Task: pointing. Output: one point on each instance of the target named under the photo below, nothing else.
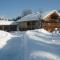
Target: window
(54, 17)
(33, 22)
(6, 28)
(13, 27)
(1, 27)
(28, 23)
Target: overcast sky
(14, 8)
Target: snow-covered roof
(48, 13)
(4, 22)
(36, 16)
(30, 17)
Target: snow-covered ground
(42, 45)
(4, 37)
(30, 45)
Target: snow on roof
(36, 16)
(30, 17)
(49, 13)
(4, 22)
(45, 13)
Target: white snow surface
(31, 45)
(44, 36)
(4, 37)
(4, 22)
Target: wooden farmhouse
(51, 21)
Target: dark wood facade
(8, 27)
(51, 22)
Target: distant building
(8, 25)
(29, 22)
(48, 20)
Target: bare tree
(40, 19)
(40, 15)
(19, 17)
(26, 12)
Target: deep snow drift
(43, 45)
(4, 37)
(30, 45)
(44, 36)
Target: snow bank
(42, 45)
(44, 55)
(4, 37)
(44, 36)
(43, 31)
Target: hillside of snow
(30, 45)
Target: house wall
(50, 26)
(8, 27)
(23, 25)
(29, 25)
(1, 27)
(13, 27)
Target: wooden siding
(50, 26)
(51, 22)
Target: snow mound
(44, 36)
(44, 31)
(4, 37)
(44, 55)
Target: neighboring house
(8, 25)
(29, 22)
(51, 21)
